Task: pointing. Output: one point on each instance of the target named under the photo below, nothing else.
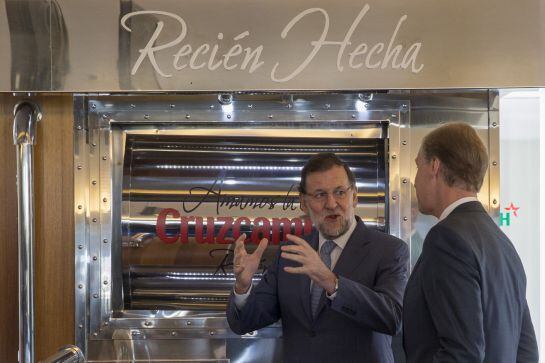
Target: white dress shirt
(340, 242)
(455, 204)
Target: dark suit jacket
(355, 326)
(466, 297)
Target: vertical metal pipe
(26, 115)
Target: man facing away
(338, 291)
(466, 297)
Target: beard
(333, 230)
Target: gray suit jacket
(356, 326)
(466, 297)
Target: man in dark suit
(466, 297)
(337, 291)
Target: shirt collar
(455, 204)
(342, 240)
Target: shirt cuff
(332, 296)
(240, 299)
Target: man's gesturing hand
(311, 263)
(245, 265)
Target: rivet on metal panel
(94, 220)
(172, 105)
(133, 105)
(211, 333)
(95, 296)
(105, 282)
(404, 142)
(394, 156)
(394, 197)
(494, 163)
(146, 116)
(105, 240)
(494, 201)
(104, 116)
(312, 115)
(79, 167)
(188, 322)
(105, 200)
(104, 157)
(173, 333)
(80, 206)
(212, 106)
(328, 106)
(229, 116)
(94, 182)
(405, 219)
(106, 323)
(95, 334)
(404, 180)
(353, 116)
(148, 323)
(95, 258)
(78, 127)
(80, 247)
(365, 96)
(271, 116)
(225, 98)
(94, 144)
(494, 124)
(250, 106)
(187, 116)
(80, 286)
(80, 326)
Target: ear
(435, 166)
(355, 197)
(302, 203)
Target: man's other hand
(245, 265)
(311, 263)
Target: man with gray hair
(466, 297)
(338, 290)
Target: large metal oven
(164, 183)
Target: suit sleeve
(527, 350)
(378, 307)
(261, 307)
(452, 292)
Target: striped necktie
(316, 291)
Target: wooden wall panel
(54, 192)
(54, 217)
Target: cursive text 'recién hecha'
(388, 54)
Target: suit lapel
(352, 255)
(354, 251)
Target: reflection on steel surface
(188, 197)
(165, 294)
(173, 288)
(39, 45)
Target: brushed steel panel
(142, 45)
(29, 23)
(149, 332)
